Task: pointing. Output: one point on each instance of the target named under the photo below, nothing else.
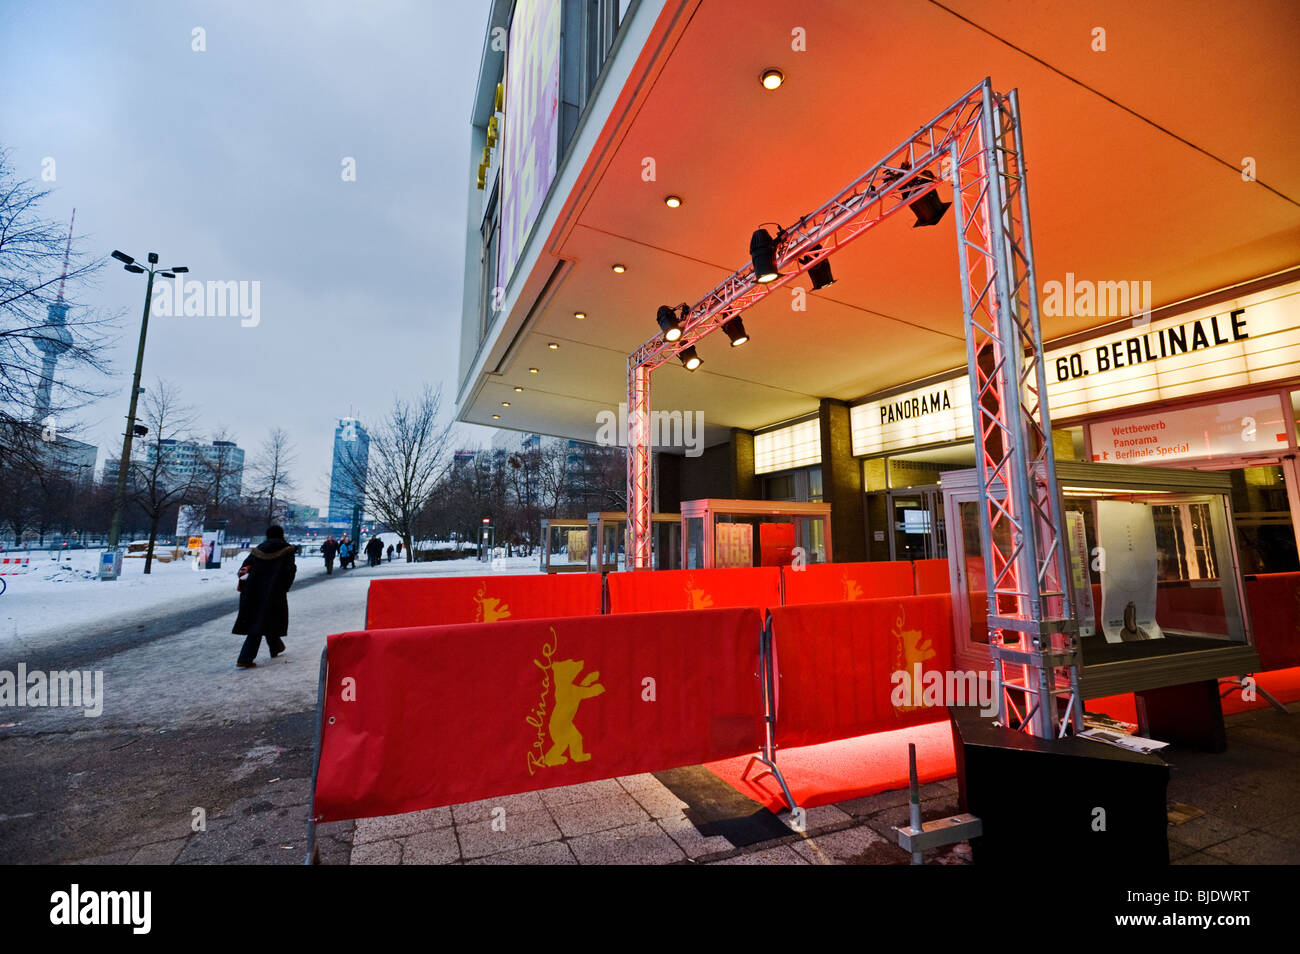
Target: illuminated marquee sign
(1250, 341)
(799, 445)
(1254, 425)
(937, 414)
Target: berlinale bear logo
(554, 713)
(489, 609)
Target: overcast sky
(230, 161)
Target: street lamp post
(119, 498)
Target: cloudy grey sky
(229, 161)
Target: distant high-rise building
(221, 462)
(351, 466)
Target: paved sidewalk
(1237, 807)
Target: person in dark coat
(329, 550)
(265, 578)
(390, 553)
(375, 550)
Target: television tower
(53, 337)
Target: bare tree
(157, 481)
(408, 456)
(40, 315)
(222, 469)
(271, 472)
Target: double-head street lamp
(133, 429)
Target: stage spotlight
(668, 323)
(690, 359)
(735, 329)
(820, 274)
(762, 251)
(928, 209)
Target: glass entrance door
(917, 521)
(1261, 512)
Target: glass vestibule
(1155, 580)
(728, 533)
(608, 543)
(564, 545)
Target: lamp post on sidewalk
(119, 498)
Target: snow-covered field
(53, 599)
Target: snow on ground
(190, 677)
(52, 599)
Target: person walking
(346, 553)
(329, 550)
(375, 550)
(264, 581)
(390, 553)
(399, 549)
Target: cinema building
(624, 154)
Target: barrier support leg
(1239, 682)
(767, 755)
(313, 850)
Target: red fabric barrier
(836, 582)
(642, 592)
(438, 717)
(1274, 602)
(836, 661)
(931, 577)
(442, 601)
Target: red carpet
(848, 768)
(1284, 684)
(851, 768)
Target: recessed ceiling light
(519, 390)
(673, 201)
(532, 370)
(553, 346)
(772, 79)
(580, 315)
(620, 269)
(505, 403)
(496, 417)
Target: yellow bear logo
(489, 609)
(696, 598)
(852, 591)
(569, 694)
(912, 649)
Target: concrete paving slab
(599, 814)
(643, 844)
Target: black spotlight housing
(820, 274)
(735, 329)
(668, 323)
(762, 252)
(690, 359)
(928, 209)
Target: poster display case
(1154, 577)
(607, 541)
(730, 533)
(564, 545)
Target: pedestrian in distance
(399, 549)
(329, 550)
(375, 550)
(346, 552)
(264, 581)
(390, 553)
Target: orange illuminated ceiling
(1134, 158)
